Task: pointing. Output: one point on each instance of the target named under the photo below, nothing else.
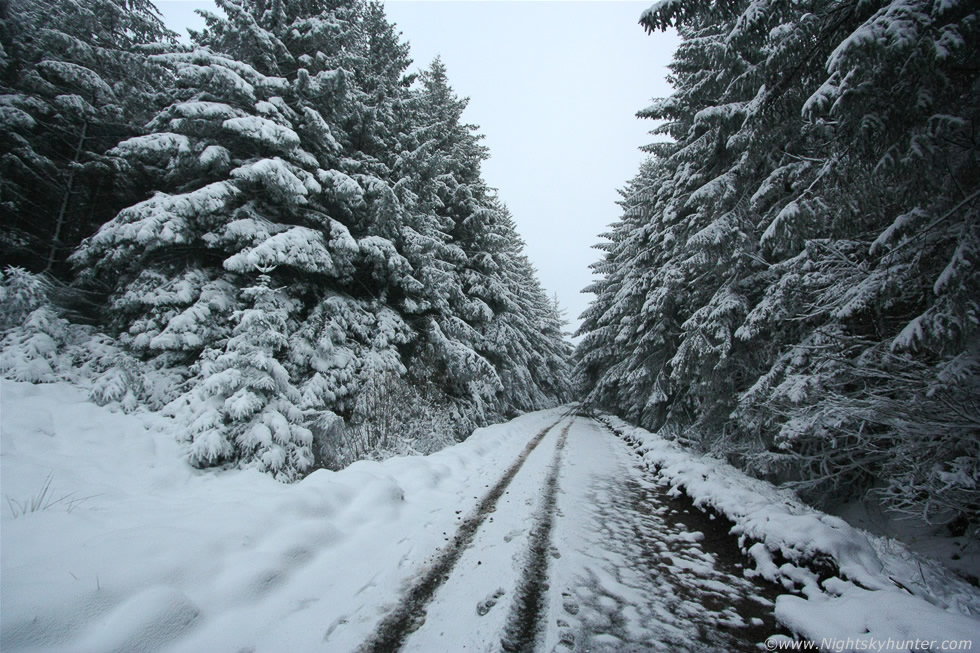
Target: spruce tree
(237, 191)
(245, 408)
(295, 146)
(74, 82)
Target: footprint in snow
(484, 606)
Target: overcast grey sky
(554, 87)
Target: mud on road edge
(729, 548)
(822, 565)
(390, 634)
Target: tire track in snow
(391, 633)
(524, 620)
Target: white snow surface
(131, 549)
(886, 590)
(135, 550)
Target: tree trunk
(63, 211)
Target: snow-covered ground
(884, 591)
(637, 571)
(137, 551)
(111, 542)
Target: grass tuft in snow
(44, 500)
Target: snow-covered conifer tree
(294, 143)
(74, 83)
(236, 190)
(245, 408)
(524, 338)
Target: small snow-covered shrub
(33, 347)
(121, 380)
(20, 293)
(393, 418)
(41, 346)
(242, 407)
(328, 431)
(121, 383)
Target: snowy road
(582, 552)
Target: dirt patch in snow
(757, 616)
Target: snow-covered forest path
(578, 549)
(546, 533)
(640, 569)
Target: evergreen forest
(792, 283)
(280, 237)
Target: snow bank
(883, 590)
(132, 549)
(866, 617)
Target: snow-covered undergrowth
(130, 548)
(876, 589)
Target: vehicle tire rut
(409, 615)
(524, 621)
